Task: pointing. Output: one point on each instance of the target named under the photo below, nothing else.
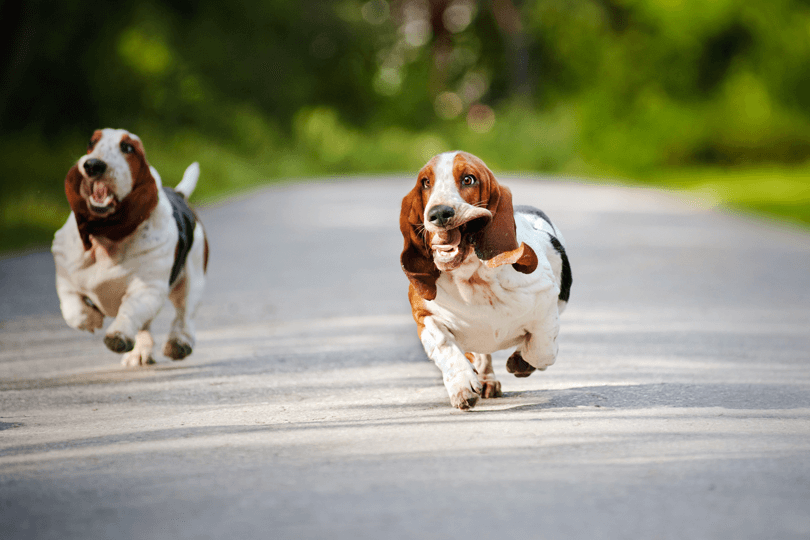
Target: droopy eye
(425, 183)
(127, 148)
(90, 144)
(468, 180)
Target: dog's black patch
(186, 221)
(566, 279)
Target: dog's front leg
(458, 373)
(140, 305)
(78, 312)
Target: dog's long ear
(78, 205)
(496, 243)
(416, 259)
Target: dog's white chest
(492, 309)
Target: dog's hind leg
(185, 297)
(539, 350)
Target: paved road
(679, 406)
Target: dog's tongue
(449, 238)
(100, 192)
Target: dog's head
(457, 208)
(111, 189)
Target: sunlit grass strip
(780, 192)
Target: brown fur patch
(518, 366)
(110, 296)
(416, 258)
(418, 309)
(94, 140)
(205, 253)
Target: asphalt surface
(679, 406)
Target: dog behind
(128, 245)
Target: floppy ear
(143, 198)
(496, 244)
(416, 260)
(78, 205)
(524, 259)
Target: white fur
(128, 279)
(444, 186)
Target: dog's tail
(189, 181)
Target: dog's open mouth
(102, 200)
(451, 246)
(446, 244)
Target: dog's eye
(468, 180)
(90, 144)
(127, 148)
(425, 183)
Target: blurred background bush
(709, 96)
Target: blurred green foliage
(684, 93)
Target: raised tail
(189, 181)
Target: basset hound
(128, 245)
(484, 276)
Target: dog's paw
(491, 389)
(176, 349)
(135, 358)
(464, 390)
(118, 342)
(465, 399)
(517, 366)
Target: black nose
(94, 167)
(441, 214)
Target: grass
(779, 192)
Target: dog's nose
(440, 214)
(94, 167)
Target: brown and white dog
(484, 276)
(128, 245)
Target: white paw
(137, 357)
(464, 389)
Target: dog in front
(484, 276)
(128, 245)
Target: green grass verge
(779, 192)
